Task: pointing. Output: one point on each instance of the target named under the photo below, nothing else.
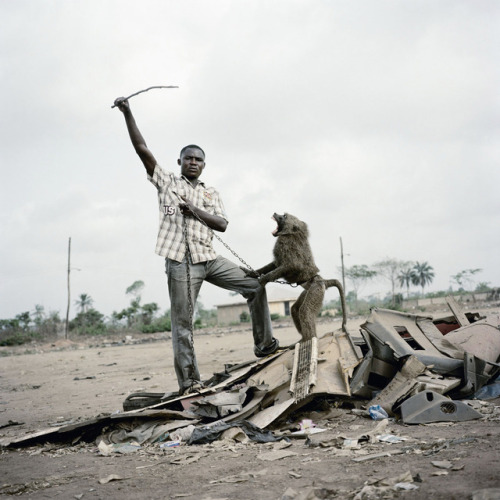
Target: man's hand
(187, 208)
(122, 104)
(214, 222)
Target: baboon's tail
(336, 283)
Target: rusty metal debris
(470, 352)
(305, 366)
(415, 367)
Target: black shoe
(267, 351)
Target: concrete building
(279, 303)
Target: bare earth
(49, 385)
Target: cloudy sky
(373, 121)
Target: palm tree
(422, 274)
(404, 279)
(84, 302)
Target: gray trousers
(225, 274)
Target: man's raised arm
(138, 141)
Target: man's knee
(255, 291)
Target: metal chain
(293, 285)
(280, 282)
(224, 243)
(188, 276)
(230, 249)
(190, 295)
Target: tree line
(404, 274)
(136, 317)
(146, 317)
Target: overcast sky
(373, 121)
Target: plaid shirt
(170, 242)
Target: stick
(149, 88)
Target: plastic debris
(442, 464)
(111, 477)
(428, 406)
(490, 391)
(170, 444)
(306, 424)
(405, 486)
(377, 412)
(207, 434)
(390, 438)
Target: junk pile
(410, 367)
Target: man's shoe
(267, 351)
(195, 388)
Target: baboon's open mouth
(279, 219)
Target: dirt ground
(43, 386)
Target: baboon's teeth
(275, 232)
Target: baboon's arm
(274, 274)
(258, 272)
(267, 268)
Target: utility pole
(66, 332)
(342, 262)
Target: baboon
(294, 262)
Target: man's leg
(226, 274)
(186, 367)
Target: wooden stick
(149, 88)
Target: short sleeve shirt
(170, 242)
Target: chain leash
(188, 275)
(190, 294)
(196, 216)
(293, 285)
(229, 248)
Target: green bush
(160, 325)
(14, 338)
(90, 322)
(244, 317)
(18, 338)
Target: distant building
(231, 313)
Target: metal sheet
(395, 335)
(337, 359)
(479, 339)
(457, 311)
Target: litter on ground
(406, 368)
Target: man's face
(192, 163)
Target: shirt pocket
(209, 206)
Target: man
(189, 212)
